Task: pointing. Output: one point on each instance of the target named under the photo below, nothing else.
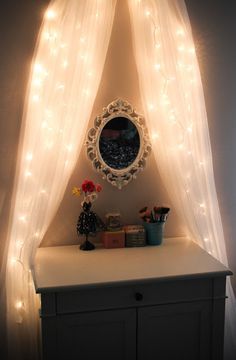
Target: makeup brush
(161, 213)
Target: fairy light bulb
(13, 261)
(37, 82)
(19, 243)
(69, 147)
(50, 14)
(22, 218)
(44, 125)
(29, 156)
(181, 48)
(172, 118)
(19, 304)
(28, 174)
(63, 45)
(86, 91)
(180, 32)
(47, 35)
(155, 136)
(35, 98)
(192, 50)
(60, 87)
(65, 64)
(38, 68)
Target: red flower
(88, 186)
(98, 188)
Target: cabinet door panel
(102, 335)
(177, 331)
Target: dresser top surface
(67, 267)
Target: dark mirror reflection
(119, 143)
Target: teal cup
(154, 233)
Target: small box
(113, 222)
(135, 236)
(113, 239)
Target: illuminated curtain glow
(65, 76)
(174, 106)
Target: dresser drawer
(133, 295)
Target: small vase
(154, 233)
(87, 245)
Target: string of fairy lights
(183, 125)
(66, 66)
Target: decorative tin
(113, 239)
(113, 221)
(134, 236)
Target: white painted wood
(143, 303)
(67, 266)
(178, 331)
(101, 335)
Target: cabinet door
(102, 335)
(176, 331)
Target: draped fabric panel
(174, 106)
(66, 72)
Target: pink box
(113, 239)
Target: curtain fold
(174, 107)
(66, 72)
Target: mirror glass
(119, 143)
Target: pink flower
(148, 213)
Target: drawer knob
(139, 296)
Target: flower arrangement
(88, 221)
(88, 189)
(158, 214)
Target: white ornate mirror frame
(118, 177)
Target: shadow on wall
(214, 31)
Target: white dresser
(153, 303)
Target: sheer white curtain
(65, 76)
(173, 101)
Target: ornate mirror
(118, 144)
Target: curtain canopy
(66, 73)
